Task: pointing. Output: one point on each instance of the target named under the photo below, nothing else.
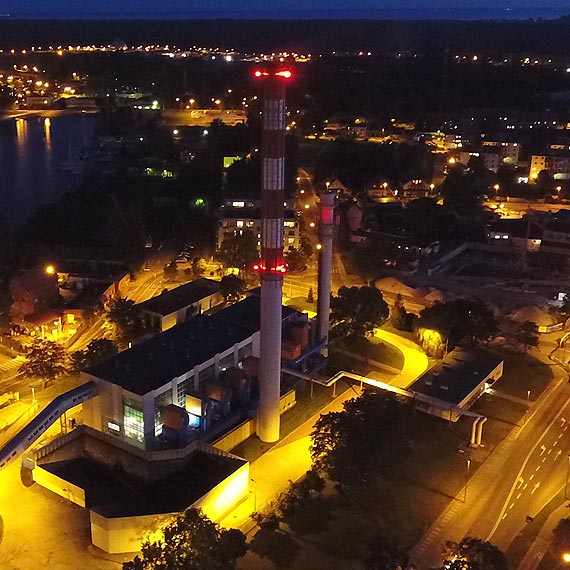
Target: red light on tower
(260, 73)
(284, 73)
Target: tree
(191, 542)
(384, 555)
(239, 250)
(171, 270)
(295, 259)
(357, 311)
(350, 445)
(463, 322)
(367, 259)
(47, 360)
(400, 318)
(97, 350)
(311, 296)
(197, 267)
(525, 334)
(125, 315)
(232, 288)
(306, 247)
(561, 537)
(473, 554)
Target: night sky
(465, 9)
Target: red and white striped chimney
(272, 267)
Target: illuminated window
(290, 240)
(288, 224)
(133, 422)
(238, 204)
(239, 223)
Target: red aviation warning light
(280, 73)
(260, 268)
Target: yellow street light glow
(496, 187)
(307, 206)
(312, 225)
(319, 246)
(452, 160)
(175, 132)
(50, 269)
(566, 557)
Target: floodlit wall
(126, 534)
(59, 486)
(226, 495)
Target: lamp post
(466, 481)
(254, 495)
(567, 473)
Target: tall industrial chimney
(326, 228)
(272, 266)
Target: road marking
(538, 468)
(531, 477)
(520, 482)
(563, 420)
(543, 459)
(504, 517)
(525, 486)
(535, 488)
(523, 466)
(555, 443)
(511, 506)
(565, 428)
(558, 454)
(542, 449)
(519, 495)
(560, 435)
(549, 451)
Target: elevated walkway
(28, 435)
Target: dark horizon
(495, 13)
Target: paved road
(519, 478)
(415, 360)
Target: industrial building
(180, 304)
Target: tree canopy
(350, 445)
(357, 311)
(191, 542)
(473, 554)
(126, 317)
(97, 350)
(239, 250)
(561, 537)
(232, 288)
(463, 322)
(47, 360)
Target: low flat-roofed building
(180, 304)
(458, 380)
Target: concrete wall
(126, 534)
(59, 486)
(233, 438)
(226, 495)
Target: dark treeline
(537, 36)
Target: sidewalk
(272, 473)
(541, 543)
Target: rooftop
(250, 213)
(247, 313)
(180, 297)
(153, 363)
(457, 375)
(156, 361)
(116, 496)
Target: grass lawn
(380, 352)
(301, 304)
(502, 416)
(523, 372)
(518, 548)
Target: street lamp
(466, 481)
(254, 494)
(567, 473)
(50, 269)
(566, 558)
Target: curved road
(415, 360)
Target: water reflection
(33, 151)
